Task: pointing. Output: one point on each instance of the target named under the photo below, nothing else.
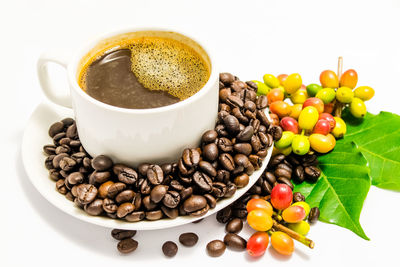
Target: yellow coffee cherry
(327, 95)
(295, 111)
(292, 83)
(322, 143)
(358, 108)
(299, 97)
(344, 95)
(262, 88)
(364, 93)
(340, 128)
(271, 81)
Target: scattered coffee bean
(188, 239)
(216, 248)
(169, 249)
(127, 245)
(314, 215)
(120, 234)
(234, 226)
(235, 241)
(297, 197)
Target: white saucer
(36, 136)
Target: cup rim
(73, 65)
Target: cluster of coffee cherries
(312, 122)
(279, 220)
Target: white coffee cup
(133, 136)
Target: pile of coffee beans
(227, 156)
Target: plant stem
(339, 106)
(302, 239)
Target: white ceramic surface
(132, 136)
(36, 136)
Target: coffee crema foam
(162, 63)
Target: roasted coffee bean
(256, 125)
(275, 160)
(185, 193)
(246, 134)
(124, 209)
(262, 102)
(241, 160)
(283, 173)
(154, 215)
(225, 145)
(255, 190)
(175, 185)
(102, 163)
(135, 216)
(57, 159)
(188, 239)
(87, 163)
(266, 187)
(207, 168)
(194, 203)
(49, 149)
(230, 189)
(243, 148)
(211, 201)
(103, 189)
(78, 204)
(299, 174)
(240, 213)
(99, 177)
(224, 94)
(127, 245)
(191, 157)
(216, 248)
(72, 131)
(218, 189)
(276, 132)
(262, 129)
(75, 144)
(312, 173)
(284, 180)
(158, 193)
(285, 165)
(127, 175)
(67, 163)
(209, 136)
(56, 128)
(109, 206)
(221, 130)
(125, 196)
(120, 234)
(210, 152)
(148, 203)
(60, 186)
(74, 191)
(231, 124)
(115, 189)
(49, 162)
(170, 213)
(69, 196)
(64, 174)
(226, 78)
(223, 176)
(227, 161)
(252, 85)
(202, 181)
(297, 197)
(172, 199)
(250, 105)
(184, 170)
(235, 242)
(221, 85)
(249, 95)
(240, 116)
(256, 161)
(256, 143)
(137, 201)
(238, 86)
(75, 178)
(86, 193)
(64, 142)
(200, 212)
(224, 215)
(58, 137)
(260, 115)
(224, 107)
(95, 207)
(241, 180)
(67, 121)
(169, 249)
(142, 168)
(234, 101)
(234, 226)
(155, 174)
(314, 215)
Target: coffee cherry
(292, 83)
(257, 244)
(329, 118)
(322, 127)
(285, 151)
(365, 93)
(301, 228)
(293, 214)
(282, 243)
(349, 79)
(300, 144)
(305, 206)
(327, 95)
(295, 111)
(358, 108)
(282, 78)
(315, 102)
(313, 89)
(271, 81)
(289, 124)
(328, 108)
(258, 203)
(280, 108)
(299, 97)
(286, 140)
(322, 143)
(329, 79)
(344, 94)
(259, 220)
(340, 127)
(308, 118)
(281, 196)
(275, 95)
(262, 88)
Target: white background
(249, 38)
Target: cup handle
(45, 80)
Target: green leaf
(341, 190)
(378, 138)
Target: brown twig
(339, 106)
(302, 239)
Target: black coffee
(146, 72)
